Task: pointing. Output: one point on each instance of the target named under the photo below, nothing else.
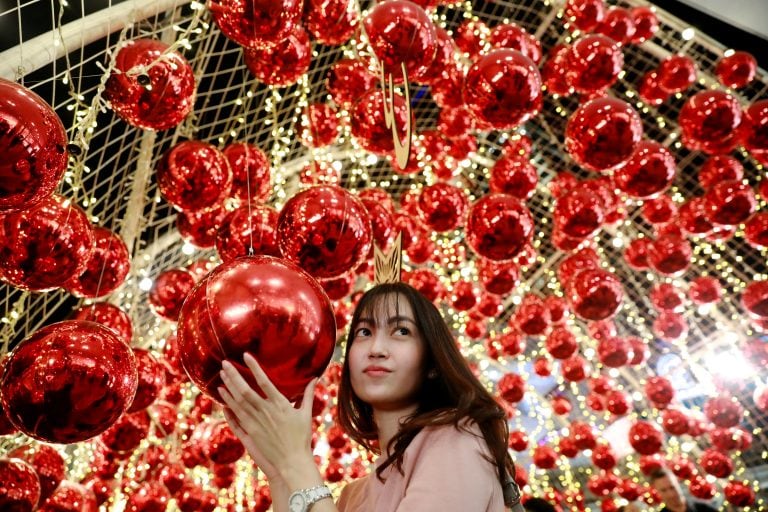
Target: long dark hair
(453, 395)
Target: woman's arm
(276, 434)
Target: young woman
(407, 394)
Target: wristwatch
(301, 500)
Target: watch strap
(314, 494)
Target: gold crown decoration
(387, 265)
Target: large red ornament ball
(736, 69)
(739, 494)
(256, 24)
(499, 226)
(498, 277)
(368, 125)
(348, 80)
(582, 435)
(667, 297)
(400, 32)
(199, 227)
(700, 488)
(250, 172)
(720, 168)
(168, 292)
(754, 298)
(90, 379)
(579, 213)
(544, 457)
(561, 343)
(709, 121)
(518, 440)
(531, 316)
(646, 23)
(515, 175)
(716, 463)
(502, 89)
(603, 133)
(221, 445)
(326, 230)
(614, 352)
(645, 437)
(574, 369)
(585, 15)
(511, 387)
(443, 206)
(676, 73)
(108, 315)
(670, 255)
(616, 402)
(44, 246)
(756, 231)
(319, 125)
(250, 230)
(649, 171)
(151, 380)
(595, 294)
(754, 130)
(165, 100)
(659, 391)
(659, 210)
(126, 434)
(149, 496)
(723, 411)
(603, 456)
(33, 147)
(674, 422)
(105, 270)
(331, 22)
(594, 63)
(279, 314)
(194, 175)
(618, 24)
(19, 486)
(729, 203)
(555, 69)
(70, 497)
(283, 63)
(47, 463)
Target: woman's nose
(378, 346)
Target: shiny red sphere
(43, 247)
(754, 130)
(603, 133)
(250, 172)
(348, 80)
(256, 24)
(105, 270)
(194, 175)
(648, 172)
(676, 73)
(326, 230)
(168, 292)
(736, 70)
(594, 63)
(368, 125)
(595, 294)
(331, 22)
(19, 485)
(280, 315)
(168, 97)
(283, 63)
(498, 226)
(645, 437)
(709, 121)
(33, 147)
(108, 315)
(502, 89)
(248, 231)
(90, 380)
(443, 207)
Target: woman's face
(387, 356)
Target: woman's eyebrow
(399, 318)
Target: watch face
(297, 503)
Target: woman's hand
(275, 433)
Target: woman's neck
(388, 424)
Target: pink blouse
(444, 470)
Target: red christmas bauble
(739, 494)
(348, 80)
(709, 121)
(515, 175)
(256, 24)
(149, 496)
(498, 226)
(401, 33)
(648, 172)
(659, 391)
(579, 213)
(676, 73)
(700, 488)
(280, 315)
(19, 485)
(221, 445)
(603, 133)
(614, 352)
(756, 230)
(165, 100)
(194, 175)
(729, 203)
(325, 230)
(283, 63)
(561, 343)
(616, 402)
(498, 277)
(603, 456)
(108, 315)
(126, 434)
(645, 437)
(502, 89)
(199, 227)
(511, 387)
(319, 125)
(105, 270)
(531, 316)
(544, 457)
(723, 411)
(573, 369)
(636, 253)
(582, 435)
(250, 172)
(33, 147)
(754, 298)
(331, 22)
(646, 24)
(151, 380)
(585, 15)
(674, 422)
(754, 131)
(368, 125)
(168, 292)
(594, 63)
(720, 168)
(248, 231)
(442, 206)
(595, 294)
(47, 463)
(618, 24)
(43, 247)
(670, 255)
(90, 380)
(518, 440)
(716, 463)
(736, 70)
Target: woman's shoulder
(352, 494)
(463, 437)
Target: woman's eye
(403, 331)
(362, 331)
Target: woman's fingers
(262, 380)
(309, 397)
(237, 386)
